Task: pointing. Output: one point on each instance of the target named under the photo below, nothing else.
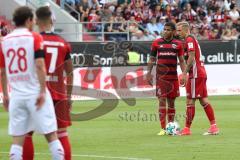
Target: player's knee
(190, 102)
(203, 101)
(62, 133)
(162, 101)
(171, 103)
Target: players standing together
(27, 59)
(166, 50)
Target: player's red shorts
(62, 110)
(168, 89)
(196, 88)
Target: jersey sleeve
(2, 61)
(154, 49)
(38, 46)
(190, 44)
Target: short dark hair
(171, 24)
(21, 15)
(43, 13)
(232, 6)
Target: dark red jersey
(57, 52)
(198, 69)
(167, 53)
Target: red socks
(28, 149)
(171, 114)
(162, 116)
(190, 115)
(210, 113)
(63, 138)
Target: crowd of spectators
(144, 19)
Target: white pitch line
(93, 156)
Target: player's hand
(183, 79)
(150, 79)
(40, 100)
(5, 102)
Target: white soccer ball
(172, 128)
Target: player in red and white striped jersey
(166, 51)
(196, 84)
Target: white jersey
(17, 56)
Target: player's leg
(190, 106)
(64, 139)
(28, 148)
(202, 93)
(18, 126)
(171, 109)
(62, 110)
(16, 148)
(173, 93)
(44, 121)
(162, 115)
(55, 146)
(213, 130)
(190, 113)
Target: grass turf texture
(131, 132)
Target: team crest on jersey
(174, 46)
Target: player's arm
(68, 68)
(41, 74)
(39, 56)
(181, 58)
(191, 54)
(4, 81)
(182, 63)
(190, 60)
(151, 62)
(4, 88)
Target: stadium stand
(144, 19)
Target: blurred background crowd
(144, 19)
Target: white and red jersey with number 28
(17, 56)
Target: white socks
(57, 150)
(16, 152)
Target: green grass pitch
(129, 133)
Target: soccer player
(30, 106)
(57, 61)
(196, 84)
(166, 51)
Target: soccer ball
(172, 128)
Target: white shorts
(24, 117)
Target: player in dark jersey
(58, 61)
(196, 84)
(165, 52)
